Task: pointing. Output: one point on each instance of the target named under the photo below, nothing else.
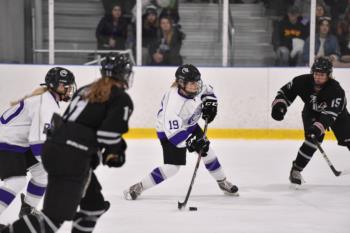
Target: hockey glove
(200, 145)
(117, 157)
(279, 109)
(209, 109)
(114, 160)
(316, 129)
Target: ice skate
(228, 188)
(295, 177)
(25, 208)
(133, 192)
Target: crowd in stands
(291, 34)
(161, 31)
(162, 36)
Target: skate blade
(236, 194)
(295, 186)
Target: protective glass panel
(260, 32)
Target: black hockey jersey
(326, 105)
(100, 125)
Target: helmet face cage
(189, 73)
(322, 65)
(57, 76)
(118, 67)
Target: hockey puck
(192, 208)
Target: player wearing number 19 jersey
(177, 129)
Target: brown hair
(100, 90)
(38, 91)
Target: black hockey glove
(279, 109)
(115, 159)
(316, 129)
(200, 145)
(209, 110)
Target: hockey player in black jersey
(325, 108)
(90, 131)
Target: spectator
(127, 6)
(326, 44)
(111, 32)
(170, 8)
(342, 33)
(343, 36)
(166, 49)
(289, 36)
(150, 28)
(322, 9)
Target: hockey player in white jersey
(177, 129)
(22, 133)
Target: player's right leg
(173, 158)
(157, 176)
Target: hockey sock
(213, 165)
(85, 220)
(37, 185)
(12, 186)
(159, 174)
(305, 154)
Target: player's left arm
(209, 103)
(110, 132)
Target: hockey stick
(180, 205)
(336, 173)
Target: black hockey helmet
(58, 75)
(188, 73)
(118, 67)
(322, 65)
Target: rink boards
(245, 96)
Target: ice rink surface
(266, 203)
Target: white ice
(266, 203)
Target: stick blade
(345, 172)
(180, 205)
(336, 172)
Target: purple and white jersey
(22, 125)
(178, 115)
